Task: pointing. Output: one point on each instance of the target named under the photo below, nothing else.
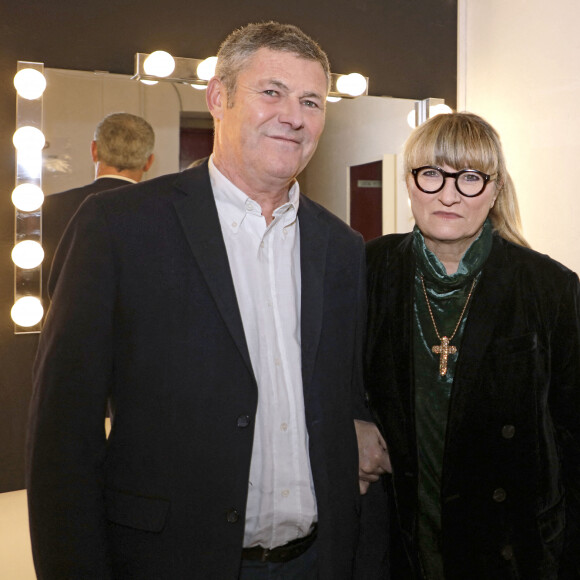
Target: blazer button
(232, 516)
(244, 421)
(508, 431)
(507, 552)
(499, 495)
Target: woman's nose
(449, 195)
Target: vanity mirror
(358, 132)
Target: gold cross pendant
(443, 350)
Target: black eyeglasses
(468, 182)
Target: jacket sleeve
(565, 410)
(71, 376)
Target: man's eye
(311, 104)
(270, 92)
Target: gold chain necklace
(445, 349)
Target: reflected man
(122, 151)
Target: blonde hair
(464, 140)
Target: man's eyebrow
(283, 86)
(277, 83)
(312, 95)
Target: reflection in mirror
(75, 102)
(358, 131)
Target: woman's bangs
(461, 149)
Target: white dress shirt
(116, 176)
(265, 266)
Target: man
(122, 152)
(222, 315)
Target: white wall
(359, 131)
(519, 67)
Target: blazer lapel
(313, 247)
(199, 219)
(399, 320)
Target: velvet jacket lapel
(488, 297)
(478, 334)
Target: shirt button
(499, 495)
(285, 492)
(244, 421)
(284, 427)
(234, 224)
(277, 362)
(232, 516)
(261, 244)
(508, 431)
(507, 552)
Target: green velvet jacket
(510, 483)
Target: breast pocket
(506, 347)
(514, 372)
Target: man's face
(268, 131)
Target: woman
(473, 370)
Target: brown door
(366, 199)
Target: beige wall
(519, 67)
(15, 553)
(361, 131)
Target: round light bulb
(27, 254)
(29, 83)
(159, 64)
(27, 311)
(333, 99)
(148, 82)
(353, 84)
(29, 138)
(206, 68)
(411, 119)
(27, 197)
(441, 109)
(199, 87)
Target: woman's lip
(447, 215)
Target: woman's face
(447, 217)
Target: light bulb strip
(28, 224)
(186, 72)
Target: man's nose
(292, 113)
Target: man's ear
(149, 163)
(94, 151)
(216, 98)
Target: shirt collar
(234, 204)
(120, 177)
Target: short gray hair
(124, 141)
(237, 49)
